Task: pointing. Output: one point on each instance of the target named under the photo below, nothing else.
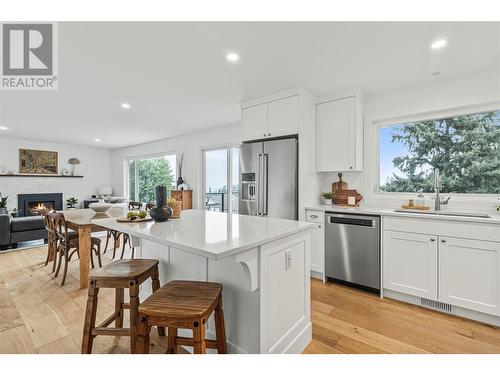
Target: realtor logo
(29, 56)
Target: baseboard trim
(457, 311)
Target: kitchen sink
(443, 213)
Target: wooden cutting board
(126, 220)
(339, 185)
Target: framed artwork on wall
(37, 162)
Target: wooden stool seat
(182, 299)
(120, 274)
(125, 270)
(183, 304)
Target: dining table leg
(84, 247)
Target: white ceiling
(177, 80)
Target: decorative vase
(160, 213)
(179, 181)
(3, 211)
(328, 201)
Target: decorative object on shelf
(185, 196)
(183, 186)
(342, 194)
(327, 197)
(66, 172)
(100, 207)
(71, 203)
(3, 204)
(161, 212)
(176, 206)
(3, 170)
(180, 162)
(15, 213)
(73, 162)
(105, 192)
(37, 162)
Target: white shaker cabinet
(276, 118)
(317, 242)
(339, 134)
(469, 274)
(254, 122)
(410, 263)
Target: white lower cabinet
(317, 241)
(410, 263)
(469, 274)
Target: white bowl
(100, 207)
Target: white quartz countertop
(385, 211)
(211, 234)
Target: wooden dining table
(80, 220)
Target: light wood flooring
(37, 315)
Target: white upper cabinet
(339, 134)
(275, 118)
(283, 117)
(254, 122)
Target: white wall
(442, 96)
(189, 144)
(95, 167)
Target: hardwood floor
(347, 320)
(37, 315)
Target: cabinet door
(335, 135)
(318, 249)
(254, 122)
(469, 274)
(410, 263)
(283, 117)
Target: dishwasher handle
(362, 222)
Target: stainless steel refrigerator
(268, 179)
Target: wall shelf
(38, 175)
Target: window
(145, 174)
(220, 179)
(465, 148)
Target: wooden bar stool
(120, 274)
(183, 304)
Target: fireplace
(30, 204)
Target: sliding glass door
(144, 174)
(220, 179)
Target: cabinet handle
(269, 134)
(314, 216)
(319, 226)
(350, 167)
(443, 241)
(264, 134)
(433, 239)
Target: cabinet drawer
(315, 216)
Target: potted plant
(71, 203)
(3, 205)
(327, 197)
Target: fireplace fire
(38, 208)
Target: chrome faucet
(437, 185)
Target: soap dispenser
(420, 201)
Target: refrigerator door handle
(259, 187)
(264, 184)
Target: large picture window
(145, 174)
(465, 148)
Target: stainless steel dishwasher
(353, 249)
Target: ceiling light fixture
(97, 140)
(232, 57)
(4, 128)
(439, 44)
(125, 106)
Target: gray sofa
(20, 229)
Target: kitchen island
(262, 262)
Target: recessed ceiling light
(97, 140)
(439, 44)
(4, 128)
(125, 105)
(233, 57)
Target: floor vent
(435, 305)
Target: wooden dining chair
(67, 245)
